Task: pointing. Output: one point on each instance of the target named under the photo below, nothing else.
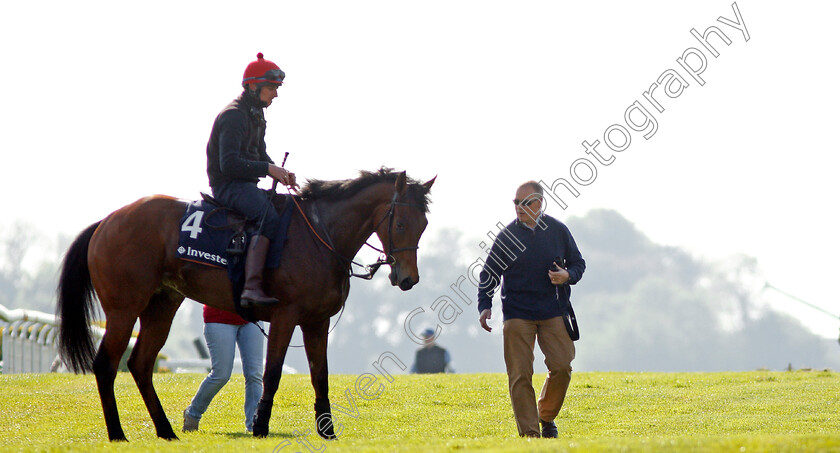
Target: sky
(106, 102)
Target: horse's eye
(400, 226)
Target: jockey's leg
(253, 293)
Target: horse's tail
(75, 306)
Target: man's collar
(523, 225)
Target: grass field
(745, 411)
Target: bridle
(384, 257)
(390, 216)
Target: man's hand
(559, 277)
(483, 317)
(285, 177)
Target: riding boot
(253, 293)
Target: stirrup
(247, 302)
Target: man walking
(535, 260)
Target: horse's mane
(345, 188)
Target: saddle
(218, 236)
(238, 222)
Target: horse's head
(400, 229)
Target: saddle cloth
(205, 235)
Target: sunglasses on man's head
(527, 202)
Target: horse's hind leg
(117, 333)
(155, 322)
(315, 343)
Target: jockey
(236, 159)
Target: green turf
(746, 411)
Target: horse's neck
(350, 222)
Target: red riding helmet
(262, 71)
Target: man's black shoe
(549, 429)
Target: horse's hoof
(323, 419)
(167, 433)
(327, 436)
(326, 432)
(260, 431)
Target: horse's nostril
(406, 284)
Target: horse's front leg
(315, 342)
(279, 335)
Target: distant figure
(431, 358)
(535, 259)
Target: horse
(128, 261)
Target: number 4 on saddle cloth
(217, 236)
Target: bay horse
(128, 262)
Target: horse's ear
(427, 186)
(400, 184)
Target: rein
(385, 258)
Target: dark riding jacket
(236, 149)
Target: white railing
(28, 341)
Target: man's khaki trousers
(559, 351)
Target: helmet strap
(254, 95)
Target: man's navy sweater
(522, 265)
